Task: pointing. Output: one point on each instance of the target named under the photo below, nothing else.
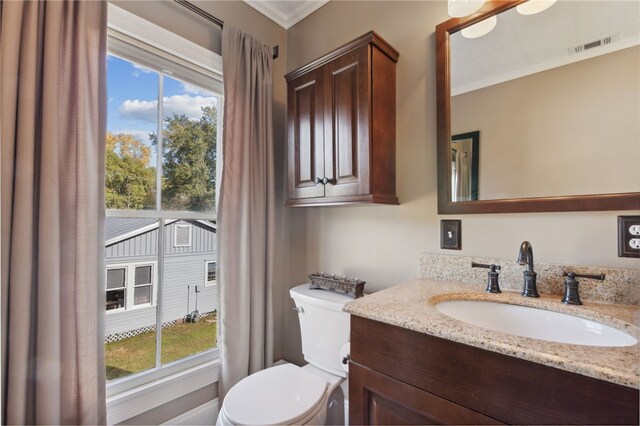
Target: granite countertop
(412, 306)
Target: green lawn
(137, 353)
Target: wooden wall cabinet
(342, 125)
(399, 376)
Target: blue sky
(132, 94)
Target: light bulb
(460, 8)
(534, 6)
(481, 28)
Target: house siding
(184, 269)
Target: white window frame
(208, 283)
(137, 40)
(175, 235)
(130, 284)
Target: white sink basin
(535, 323)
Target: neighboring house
(131, 252)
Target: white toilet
(287, 394)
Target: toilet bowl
(287, 394)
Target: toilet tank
(323, 325)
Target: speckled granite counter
(412, 306)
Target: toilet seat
(285, 394)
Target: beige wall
(381, 244)
(550, 133)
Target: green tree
(130, 181)
(189, 160)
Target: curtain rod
(209, 17)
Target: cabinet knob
(324, 181)
(327, 180)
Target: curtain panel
(52, 129)
(246, 209)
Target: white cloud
(188, 105)
(140, 69)
(139, 110)
(195, 90)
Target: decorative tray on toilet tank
(350, 286)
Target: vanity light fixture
(534, 6)
(460, 8)
(481, 28)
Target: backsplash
(619, 286)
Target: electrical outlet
(628, 236)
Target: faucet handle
(573, 275)
(492, 281)
(492, 266)
(571, 293)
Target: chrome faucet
(525, 257)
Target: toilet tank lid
(324, 298)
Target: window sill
(131, 396)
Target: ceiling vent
(593, 44)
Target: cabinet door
(376, 399)
(306, 135)
(346, 117)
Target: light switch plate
(451, 234)
(628, 239)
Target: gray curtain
(52, 128)
(246, 209)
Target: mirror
(556, 98)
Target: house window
(116, 288)
(129, 286)
(210, 273)
(182, 236)
(164, 103)
(143, 285)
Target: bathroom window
(164, 105)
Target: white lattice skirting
(114, 337)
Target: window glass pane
(115, 299)
(132, 109)
(115, 278)
(189, 308)
(143, 275)
(142, 295)
(189, 147)
(130, 336)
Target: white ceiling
(286, 13)
(520, 45)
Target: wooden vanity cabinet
(399, 376)
(341, 126)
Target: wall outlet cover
(628, 236)
(451, 234)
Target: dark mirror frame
(592, 202)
